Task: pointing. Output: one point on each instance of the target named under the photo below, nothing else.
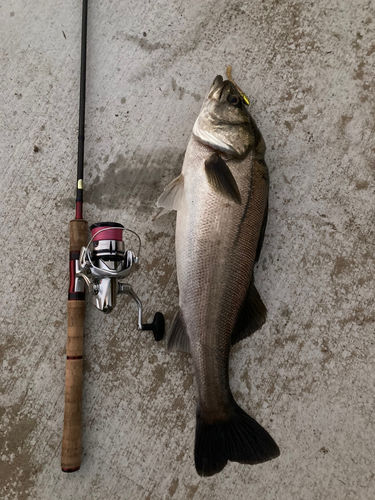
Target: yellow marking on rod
(243, 96)
(80, 184)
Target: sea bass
(221, 198)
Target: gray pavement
(308, 376)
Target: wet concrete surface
(308, 376)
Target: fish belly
(216, 243)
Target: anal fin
(178, 339)
(251, 317)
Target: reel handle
(71, 442)
(157, 326)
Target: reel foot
(157, 326)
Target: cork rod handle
(71, 443)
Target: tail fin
(239, 439)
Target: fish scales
(211, 295)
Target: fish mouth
(221, 89)
(217, 83)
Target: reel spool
(103, 263)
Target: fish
(221, 199)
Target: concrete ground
(308, 376)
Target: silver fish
(221, 198)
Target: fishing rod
(98, 266)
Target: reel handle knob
(157, 326)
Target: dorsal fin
(262, 233)
(251, 317)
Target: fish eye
(234, 99)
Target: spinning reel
(103, 263)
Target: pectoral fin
(172, 197)
(251, 317)
(221, 179)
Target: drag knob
(157, 326)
